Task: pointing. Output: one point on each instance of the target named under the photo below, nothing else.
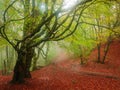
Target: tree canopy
(27, 24)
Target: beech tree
(100, 25)
(35, 22)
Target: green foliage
(78, 45)
(95, 27)
(3, 42)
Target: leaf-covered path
(54, 78)
(70, 75)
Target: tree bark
(106, 49)
(29, 56)
(99, 54)
(21, 69)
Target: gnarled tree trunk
(22, 66)
(29, 56)
(19, 69)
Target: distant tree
(104, 27)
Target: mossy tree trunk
(25, 54)
(22, 66)
(29, 56)
(19, 69)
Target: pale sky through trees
(68, 4)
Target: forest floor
(70, 75)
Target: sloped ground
(70, 75)
(110, 68)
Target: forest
(59, 45)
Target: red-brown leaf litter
(70, 75)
